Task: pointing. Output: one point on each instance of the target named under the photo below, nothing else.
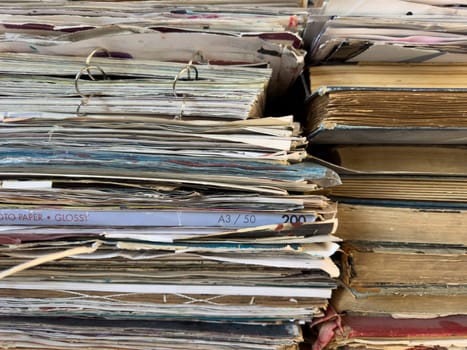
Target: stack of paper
(61, 333)
(393, 7)
(389, 117)
(358, 101)
(139, 191)
(216, 32)
(399, 197)
(396, 31)
(392, 111)
(137, 87)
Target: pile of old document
(152, 205)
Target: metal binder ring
(83, 102)
(186, 69)
(80, 73)
(89, 58)
(182, 109)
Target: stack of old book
(149, 204)
(395, 132)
